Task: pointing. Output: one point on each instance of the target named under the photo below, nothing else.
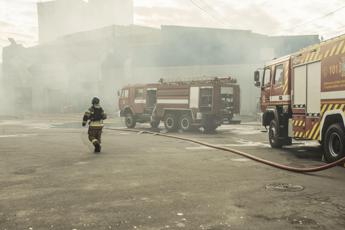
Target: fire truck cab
(136, 103)
(303, 97)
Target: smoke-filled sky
(18, 18)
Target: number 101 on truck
(303, 97)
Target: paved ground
(50, 179)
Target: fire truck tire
(154, 124)
(273, 135)
(334, 143)
(210, 127)
(185, 122)
(230, 117)
(130, 121)
(288, 141)
(170, 122)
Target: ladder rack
(206, 80)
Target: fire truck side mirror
(257, 76)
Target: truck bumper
(209, 119)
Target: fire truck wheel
(273, 134)
(130, 121)
(154, 124)
(230, 117)
(210, 129)
(288, 141)
(170, 122)
(186, 122)
(210, 126)
(334, 144)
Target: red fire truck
(303, 97)
(181, 104)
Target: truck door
(266, 88)
(279, 94)
(307, 88)
(313, 89)
(139, 100)
(313, 101)
(299, 101)
(194, 97)
(151, 99)
(306, 100)
(227, 97)
(124, 98)
(237, 99)
(206, 99)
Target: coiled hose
(258, 159)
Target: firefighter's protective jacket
(95, 115)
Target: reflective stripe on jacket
(96, 124)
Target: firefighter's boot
(97, 146)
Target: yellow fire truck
(303, 97)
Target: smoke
(261, 16)
(6, 108)
(2, 95)
(82, 55)
(64, 71)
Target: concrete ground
(51, 179)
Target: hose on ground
(247, 155)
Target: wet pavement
(51, 179)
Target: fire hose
(243, 154)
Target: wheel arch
(330, 118)
(126, 110)
(269, 115)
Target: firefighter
(95, 115)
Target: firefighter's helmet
(95, 101)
